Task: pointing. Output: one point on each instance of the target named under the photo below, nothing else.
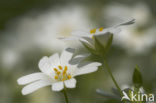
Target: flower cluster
(59, 72)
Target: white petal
(128, 22)
(80, 33)
(32, 77)
(55, 59)
(71, 83)
(93, 64)
(45, 66)
(81, 55)
(103, 32)
(34, 86)
(87, 69)
(114, 30)
(69, 38)
(87, 42)
(58, 86)
(89, 39)
(65, 57)
(77, 59)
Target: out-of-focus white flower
(119, 12)
(42, 30)
(9, 58)
(100, 31)
(55, 71)
(133, 39)
(62, 23)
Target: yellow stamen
(61, 73)
(58, 72)
(60, 67)
(56, 77)
(55, 70)
(69, 76)
(64, 72)
(65, 68)
(101, 29)
(92, 31)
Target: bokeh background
(29, 30)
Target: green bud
(137, 78)
(103, 43)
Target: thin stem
(110, 73)
(65, 95)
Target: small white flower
(57, 72)
(99, 31)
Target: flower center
(93, 31)
(61, 73)
(101, 29)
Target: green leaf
(137, 78)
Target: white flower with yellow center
(57, 72)
(99, 31)
(89, 34)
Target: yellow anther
(92, 31)
(101, 29)
(61, 73)
(55, 70)
(69, 76)
(56, 77)
(64, 72)
(65, 68)
(58, 72)
(60, 67)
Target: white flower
(99, 31)
(135, 41)
(57, 72)
(9, 58)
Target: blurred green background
(29, 31)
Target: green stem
(65, 95)
(110, 73)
